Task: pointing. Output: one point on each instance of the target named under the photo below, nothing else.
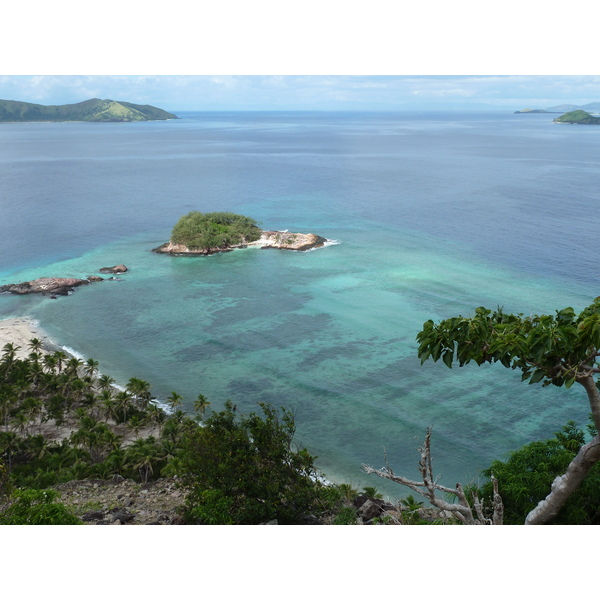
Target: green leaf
(448, 358)
(537, 376)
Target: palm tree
(174, 401)
(6, 402)
(34, 357)
(9, 354)
(35, 344)
(108, 405)
(20, 422)
(91, 367)
(140, 390)
(35, 371)
(37, 446)
(73, 365)
(78, 387)
(171, 429)
(34, 408)
(50, 361)
(116, 459)
(156, 415)
(123, 400)
(105, 382)
(60, 357)
(143, 455)
(134, 424)
(200, 405)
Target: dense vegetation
(94, 110)
(234, 468)
(243, 469)
(203, 231)
(60, 420)
(580, 117)
(526, 476)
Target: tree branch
(429, 486)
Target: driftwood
(467, 513)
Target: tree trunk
(564, 485)
(593, 397)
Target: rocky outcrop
(119, 501)
(55, 286)
(281, 240)
(115, 269)
(181, 250)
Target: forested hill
(94, 110)
(579, 117)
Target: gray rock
(93, 515)
(369, 510)
(122, 516)
(115, 269)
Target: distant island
(202, 234)
(534, 110)
(94, 110)
(560, 108)
(578, 117)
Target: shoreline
(21, 330)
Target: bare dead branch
(429, 486)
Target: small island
(530, 110)
(202, 234)
(578, 117)
(94, 110)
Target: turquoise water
(329, 334)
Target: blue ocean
(433, 215)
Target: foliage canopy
(244, 470)
(560, 349)
(525, 477)
(37, 507)
(202, 231)
(553, 349)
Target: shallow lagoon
(436, 215)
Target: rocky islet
(57, 286)
(280, 240)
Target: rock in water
(60, 286)
(284, 240)
(115, 269)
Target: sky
(313, 55)
(308, 92)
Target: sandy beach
(20, 331)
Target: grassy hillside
(89, 110)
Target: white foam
(326, 243)
(72, 352)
